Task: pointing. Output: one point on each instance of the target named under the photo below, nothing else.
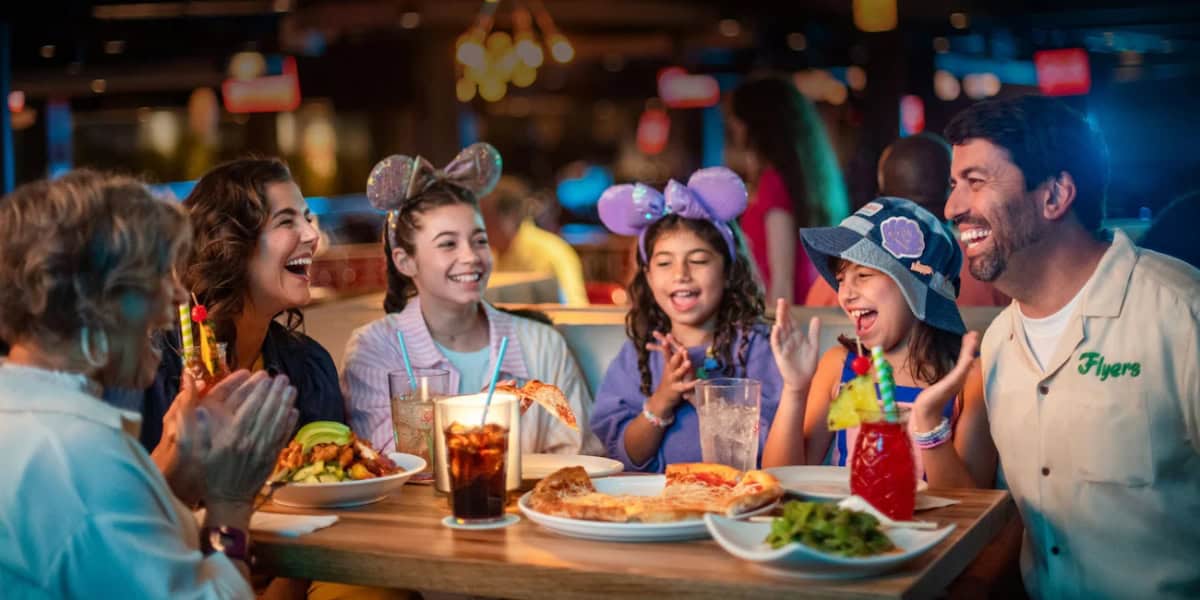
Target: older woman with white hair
(87, 275)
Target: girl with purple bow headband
(696, 313)
(438, 264)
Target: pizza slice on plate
(568, 492)
(756, 489)
(691, 490)
(721, 489)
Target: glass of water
(412, 412)
(729, 410)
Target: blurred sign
(16, 101)
(580, 194)
(1063, 72)
(58, 137)
(678, 89)
(912, 115)
(875, 15)
(270, 93)
(654, 127)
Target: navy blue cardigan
(306, 363)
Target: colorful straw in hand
(887, 384)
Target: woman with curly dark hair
(249, 266)
(696, 313)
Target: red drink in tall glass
(883, 470)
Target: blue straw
(407, 362)
(495, 376)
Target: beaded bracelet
(656, 420)
(932, 439)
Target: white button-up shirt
(84, 512)
(1102, 449)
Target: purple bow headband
(398, 179)
(715, 194)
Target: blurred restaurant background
(576, 95)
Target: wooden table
(401, 543)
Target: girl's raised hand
(796, 352)
(931, 402)
(678, 378)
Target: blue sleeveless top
(843, 441)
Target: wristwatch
(229, 541)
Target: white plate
(745, 540)
(651, 485)
(344, 494)
(820, 482)
(537, 466)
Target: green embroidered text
(1104, 370)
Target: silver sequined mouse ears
(398, 179)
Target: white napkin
(927, 502)
(282, 524)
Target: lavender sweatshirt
(620, 400)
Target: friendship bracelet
(932, 439)
(656, 420)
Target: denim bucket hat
(904, 241)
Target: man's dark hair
(1043, 137)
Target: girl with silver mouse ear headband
(403, 185)
(437, 311)
(397, 182)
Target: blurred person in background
(518, 244)
(917, 168)
(794, 174)
(254, 243)
(87, 275)
(1174, 229)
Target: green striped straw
(887, 384)
(185, 327)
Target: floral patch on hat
(902, 237)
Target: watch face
(227, 540)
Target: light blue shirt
(87, 497)
(472, 365)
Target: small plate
(344, 494)
(819, 482)
(497, 524)
(651, 485)
(746, 541)
(538, 466)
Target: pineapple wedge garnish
(856, 398)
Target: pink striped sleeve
(369, 358)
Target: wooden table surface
(400, 542)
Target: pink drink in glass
(883, 470)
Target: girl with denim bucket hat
(895, 267)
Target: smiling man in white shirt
(1092, 379)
